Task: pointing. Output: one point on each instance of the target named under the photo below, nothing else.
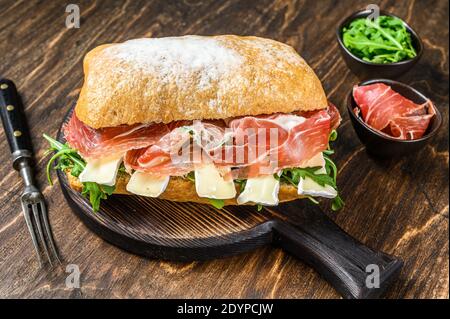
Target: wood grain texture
(397, 206)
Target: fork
(32, 200)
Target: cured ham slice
(174, 154)
(412, 127)
(160, 164)
(178, 148)
(391, 113)
(298, 138)
(92, 143)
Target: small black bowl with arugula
(384, 47)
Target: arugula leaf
(384, 40)
(96, 193)
(293, 175)
(333, 136)
(337, 203)
(190, 176)
(68, 159)
(217, 203)
(312, 199)
(241, 183)
(122, 170)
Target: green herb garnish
(190, 176)
(96, 193)
(241, 183)
(293, 175)
(383, 40)
(217, 203)
(333, 136)
(69, 159)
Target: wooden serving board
(187, 231)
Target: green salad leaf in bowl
(383, 40)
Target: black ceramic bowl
(385, 146)
(366, 70)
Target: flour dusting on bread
(194, 77)
(177, 58)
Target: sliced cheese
(308, 187)
(147, 185)
(260, 190)
(101, 171)
(321, 170)
(209, 183)
(315, 161)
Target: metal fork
(32, 200)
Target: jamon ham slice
(92, 143)
(159, 164)
(389, 112)
(299, 136)
(156, 148)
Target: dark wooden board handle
(14, 122)
(348, 265)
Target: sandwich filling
(245, 158)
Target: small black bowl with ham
(391, 118)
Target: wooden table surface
(397, 206)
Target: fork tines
(36, 218)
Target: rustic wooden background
(398, 206)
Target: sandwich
(220, 120)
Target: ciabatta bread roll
(194, 78)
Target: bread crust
(183, 190)
(194, 77)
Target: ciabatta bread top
(194, 77)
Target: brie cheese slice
(315, 161)
(101, 171)
(145, 184)
(308, 187)
(209, 183)
(260, 190)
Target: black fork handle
(14, 123)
